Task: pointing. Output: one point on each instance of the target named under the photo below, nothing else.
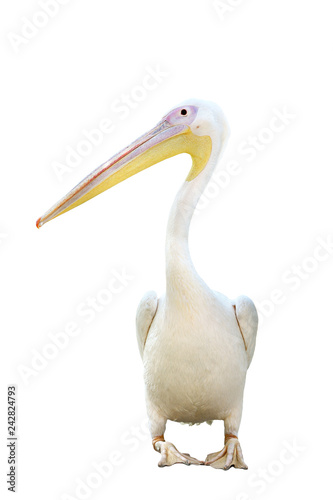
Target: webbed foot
(170, 455)
(230, 456)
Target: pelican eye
(183, 112)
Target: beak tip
(39, 223)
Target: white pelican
(196, 344)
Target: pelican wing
(145, 314)
(247, 318)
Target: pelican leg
(231, 454)
(170, 455)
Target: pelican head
(195, 127)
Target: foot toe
(214, 456)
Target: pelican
(196, 344)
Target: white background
(86, 406)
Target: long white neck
(181, 276)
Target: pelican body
(196, 344)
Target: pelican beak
(163, 141)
